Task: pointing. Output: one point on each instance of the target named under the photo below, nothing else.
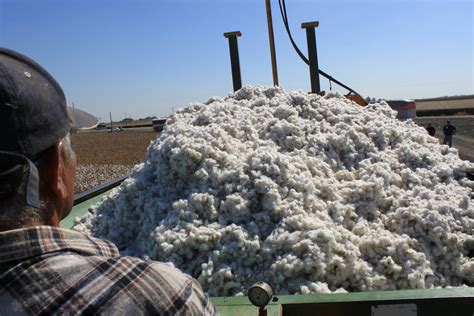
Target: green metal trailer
(432, 302)
(455, 302)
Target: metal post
(312, 55)
(111, 123)
(272, 43)
(234, 58)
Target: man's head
(37, 163)
(429, 124)
(448, 122)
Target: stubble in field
(104, 156)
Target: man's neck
(52, 218)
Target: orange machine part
(357, 99)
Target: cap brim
(82, 120)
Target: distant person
(48, 270)
(448, 131)
(431, 130)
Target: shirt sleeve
(199, 302)
(185, 292)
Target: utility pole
(272, 43)
(111, 123)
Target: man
(431, 130)
(45, 269)
(448, 131)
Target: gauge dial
(260, 294)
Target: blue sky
(147, 57)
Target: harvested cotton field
(310, 194)
(103, 157)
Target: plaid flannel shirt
(46, 270)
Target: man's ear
(53, 171)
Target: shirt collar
(33, 241)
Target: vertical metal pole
(272, 43)
(312, 55)
(234, 58)
(111, 123)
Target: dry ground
(104, 156)
(445, 104)
(102, 148)
(464, 138)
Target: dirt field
(445, 104)
(102, 148)
(104, 156)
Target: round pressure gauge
(260, 294)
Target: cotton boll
(310, 194)
(318, 287)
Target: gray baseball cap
(33, 117)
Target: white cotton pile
(310, 194)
